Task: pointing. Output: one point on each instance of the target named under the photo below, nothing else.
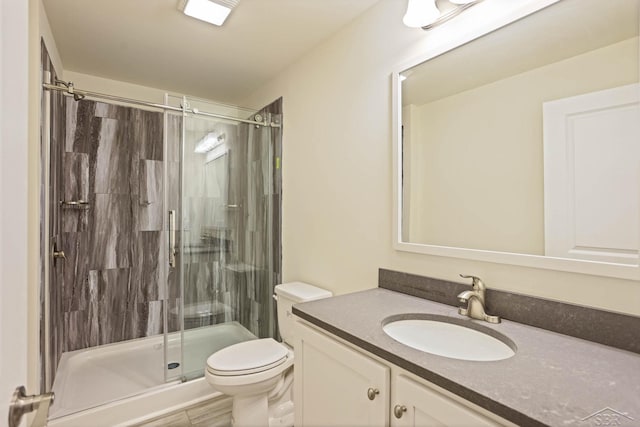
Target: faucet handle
(476, 282)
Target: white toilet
(258, 374)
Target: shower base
(121, 375)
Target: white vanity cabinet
(337, 384)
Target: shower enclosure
(163, 232)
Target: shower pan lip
(77, 360)
(99, 376)
(142, 407)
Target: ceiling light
(209, 142)
(426, 15)
(216, 153)
(214, 12)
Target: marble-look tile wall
(114, 271)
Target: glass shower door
(226, 220)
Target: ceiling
(151, 43)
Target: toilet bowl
(258, 374)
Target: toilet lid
(247, 357)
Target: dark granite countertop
(553, 379)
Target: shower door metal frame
(69, 90)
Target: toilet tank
(294, 293)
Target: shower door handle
(22, 404)
(172, 239)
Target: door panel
(591, 173)
(14, 195)
(428, 408)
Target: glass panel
(227, 232)
(109, 294)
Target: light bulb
(420, 13)
(207, 11)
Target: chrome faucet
(475, 301)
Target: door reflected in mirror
(527, 140)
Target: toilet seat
(249, 357)
(258, 374)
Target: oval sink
(448, 339)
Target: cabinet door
(332, 384)
(425, 407)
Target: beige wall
(49, 41)
(477, 161)
(337, 171)
(114, 87)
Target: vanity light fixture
(212, 11)
(426, 14)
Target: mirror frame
(482, 19)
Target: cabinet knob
(398, 410)
(372, 393)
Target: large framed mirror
(518, 142)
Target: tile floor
(212, 413)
